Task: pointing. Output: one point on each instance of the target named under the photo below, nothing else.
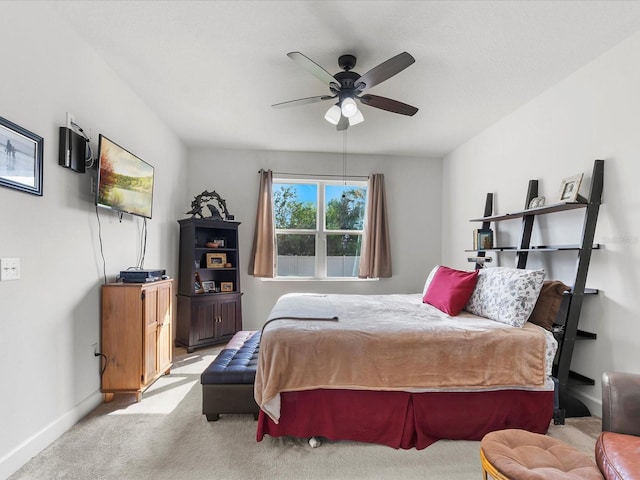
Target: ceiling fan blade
(387, 104)
(312, 67)
(302, 101)
(386, 70)
(343, 124)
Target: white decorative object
(537, 202)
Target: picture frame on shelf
(21, 159)
(226, 286)
(219, 242)
(209, 286)
(569, 188)
(216, 260)
(197, 286)
(484, 239)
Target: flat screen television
(125, 182)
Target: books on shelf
(482, 239)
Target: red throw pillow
(451, 289)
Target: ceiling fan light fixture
(333, 115)
(356, 119)
(348, 86)
(349, 107)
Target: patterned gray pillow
(506, 295)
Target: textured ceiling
(211, 69)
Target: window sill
(314, 279)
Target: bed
(394, 370)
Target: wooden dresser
(136, 335)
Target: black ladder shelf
(566, 326)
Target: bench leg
(213, 417)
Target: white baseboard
(24, 452)
(593, 404)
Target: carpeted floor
(165, 436)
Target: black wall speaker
(73, 150)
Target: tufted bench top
(237, 363)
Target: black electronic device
(142, 276)
(72, 152)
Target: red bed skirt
(407, 420)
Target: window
(318, 226)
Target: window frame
(321, 232)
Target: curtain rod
(317, 174)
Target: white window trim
(321, 232)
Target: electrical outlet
(71, 118)
(9, 269)
(94, 347)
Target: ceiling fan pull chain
(344, 158)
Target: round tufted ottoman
(521, 455)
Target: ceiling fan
(348, 86)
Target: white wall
(413, 187)
(49, 319)
(593, 114)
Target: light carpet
(165, 436)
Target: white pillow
(429, 278)
(506, 295)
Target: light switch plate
(9, 269)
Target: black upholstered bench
(227, 384)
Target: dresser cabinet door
(165, 328)
(203, 318)
(227, 316)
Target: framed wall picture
(569, 188)
(226, 286)
(20, 158)
(216, 260)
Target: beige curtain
(262, 261)
(375, 259)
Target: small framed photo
(219, 242)
(485, 239)
(226, 286)
(20, 158)
(216, 260)
(209, 287)
(569, 188)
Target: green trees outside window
(297, 214)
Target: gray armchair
(619, 443)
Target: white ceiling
(211, 69)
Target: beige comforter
(391, 342)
